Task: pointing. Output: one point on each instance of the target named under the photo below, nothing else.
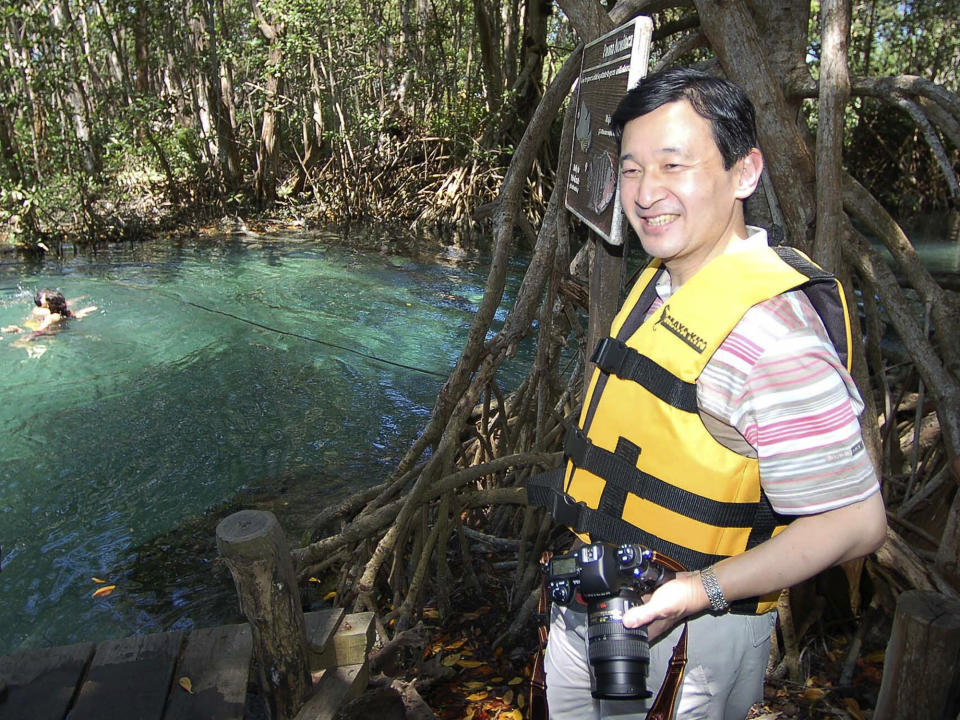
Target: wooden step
(143, 677)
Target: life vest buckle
(565, 510)
(610, 355)
(575, 445)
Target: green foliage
(101, 103)
(883, 148)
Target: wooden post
(921, 673)
(254, 547)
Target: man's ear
(748, 171)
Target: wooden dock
(198, 675)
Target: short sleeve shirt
(776, 382)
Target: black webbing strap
(546, 490)
(823, 290)
(801, 264)
(766, 521)
(616, 358)
(615, 469)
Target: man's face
(683, 205)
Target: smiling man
(720, 427)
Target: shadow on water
(280, 371)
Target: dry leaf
(476, 697)
(473, 685)
(469, 663)
(313, 579)
(104, 591)
(508, 697)
(515, 681)
(98, 580)
(813, 694)
(853, 707)
(186, 684)
(450, 660)
(330, 595)
(875, 657)
(511, 715)
(457, 644)
(521, 700)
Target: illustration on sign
(611, 64)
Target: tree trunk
(489, 56)
(227, 153)
(536, 13)
(784, 28)
(77, 96)
(921, 672)
(265, 175)
(834, 91)
(141, 47)
(9, 150)
(733, 34)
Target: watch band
(718, 603)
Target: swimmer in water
(51, 309)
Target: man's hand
(668, 605)
(809, 544)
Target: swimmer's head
(52, 300)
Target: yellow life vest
(641, 466)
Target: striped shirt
(777, 390)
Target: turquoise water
(210, 368)
(939, 256)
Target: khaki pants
(727, 656)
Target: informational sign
(610, 66)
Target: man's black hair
(725, 105)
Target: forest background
(128, 121)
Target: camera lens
(620, 656)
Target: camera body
(610, 579)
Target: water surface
(211, 368)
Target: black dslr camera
(611, 580)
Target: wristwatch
(718, 603)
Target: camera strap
(538, 676)
(666, 700)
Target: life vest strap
(615, 357)
(825, 293)
(546, 490)
(802, 264)
(619, 472)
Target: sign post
(611, 65)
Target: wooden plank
(321, 625)
(129, 678)
(337, 686)
(217, 663)
(41, 683)
(351, 643)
